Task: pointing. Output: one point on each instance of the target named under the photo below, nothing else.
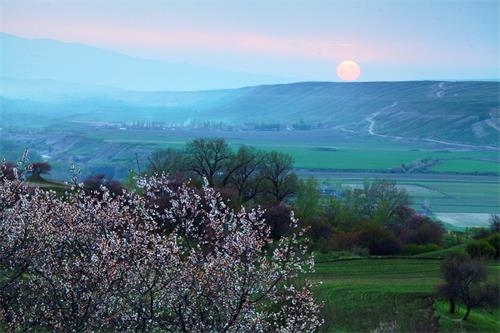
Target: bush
(278, 219)
(413, 249)
(320, 232)
(480, 249)
(494, 241)
(345, 240)
(421, 230)
(378, 240)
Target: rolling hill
(462, 113)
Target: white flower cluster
(174, 260)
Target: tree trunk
(467, 313)
(452, 305)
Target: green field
(452, 181)
(360, 294)
(443, 196)
(466, 166)
(328, 154)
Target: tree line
(374, 218)
(245, 176)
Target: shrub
(480, 249)
(421, 230)
(378, 240)
(345, 240)
(494, 241)
(277, 217)
(320, 232)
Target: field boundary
(375, 258)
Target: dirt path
(441, 90)
(371, 123)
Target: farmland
(360, 294)
(457, 185)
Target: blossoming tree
(172, 259)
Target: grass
(360, 294)
(443, 252)
(466, 166)
(310, 154)
(480, 320)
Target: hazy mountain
(22, 58)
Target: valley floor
(457, 185)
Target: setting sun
(348, 70)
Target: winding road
(441, 90)
(371, 120)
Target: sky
(390, 40)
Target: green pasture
(450, 195)
(466, 166)
(323, 154)
(360, 294)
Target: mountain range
(35, 59)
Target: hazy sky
(391, 40)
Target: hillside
(462, 113)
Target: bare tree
(495, 223)
(207, 157)
(168, 161)
(280, 181)
(244, 175)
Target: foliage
(278, 218)
(494, 241)
(207, 157)
(308, 200)
(495, 223)
(465, 281)
(418, 229)
(93, 263)
(38, 169)
(99, 184)
(245, 174)
(480, 249)
(378, 240)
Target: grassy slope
(359, 294)
(485, 320)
